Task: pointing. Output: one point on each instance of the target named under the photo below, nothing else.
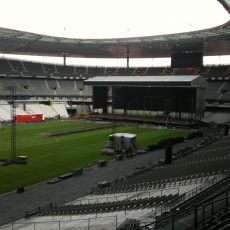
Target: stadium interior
(181, 183)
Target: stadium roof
(225, 4)
(195, 81)
(212, 42)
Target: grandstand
(145, 192)
(63, 90)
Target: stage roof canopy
(195, 81)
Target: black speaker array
(119, 157)
(101, 163)
(20, 190)
(226, 129)
(168, 154)
(218, 127)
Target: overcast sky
(110, 19)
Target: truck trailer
(21, 118)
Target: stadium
(115, 147)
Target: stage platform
(157, 120)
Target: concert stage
(161, 97)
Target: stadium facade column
(127, 54)
(64, 58)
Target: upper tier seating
(8, 66)
(34, 69)
(212, 91)
(217, 76)
(45, 87)
(64, 71)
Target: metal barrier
(110, 222)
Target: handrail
(190, 212)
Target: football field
(49, 157)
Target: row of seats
(26, 67)
(109, 207)
(218, 221)
(53, 88)
(202, 196)
(48, 87)
(210, 213)
(184, 170)
(68, 88)
(162, 184)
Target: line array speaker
(168, 154)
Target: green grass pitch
(54, 156)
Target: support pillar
(127, 54)
(13, 122)
(114, 95)
(64, 58)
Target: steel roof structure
(212, 42)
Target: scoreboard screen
(186, 60)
